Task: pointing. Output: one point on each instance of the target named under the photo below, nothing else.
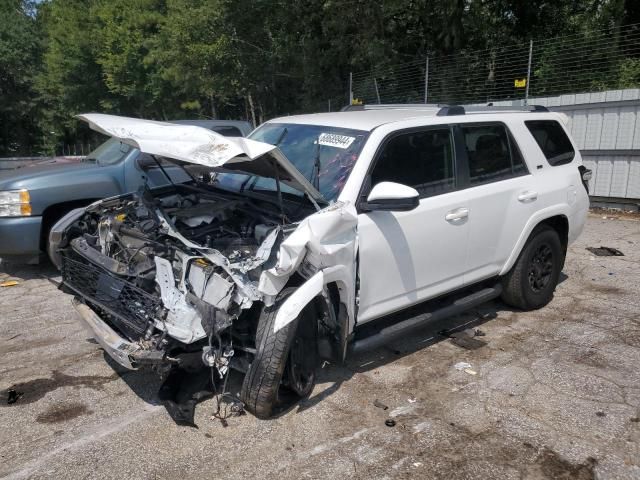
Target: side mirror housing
(391, 197)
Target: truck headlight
(15, 203)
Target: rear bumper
(128, 354)
(20, 236)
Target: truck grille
(129, 307)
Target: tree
(20, 45)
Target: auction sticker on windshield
(334, 140)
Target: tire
(530, 283)
(269, 371)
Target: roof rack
(462, 110)
(447, 110)
(390, 106)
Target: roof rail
(390, 106)
(446, 110)
(449, 110)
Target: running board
(405, 327)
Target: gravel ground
(554, 394)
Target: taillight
(585, 176)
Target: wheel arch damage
(323, 250)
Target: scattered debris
(9, 283)
(465, 367)
(462, 366)
(390, 422)
(182, 390)
(479, 333)
(635, 419)
(411, 400)
(466, 340)
(605, 252)
(601, 414)
(417, 464)
(13, 396)
(379, 404)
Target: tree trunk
(253, 110)
(214, 113)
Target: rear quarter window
(552, 140)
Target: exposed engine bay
(173, 271)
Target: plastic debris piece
(466, 340)
(417, 464)
(379, 404)
(605, 251)
(411, 400)
(9, 283)
(462, 365)
(390, 422)
(13, 396)
(470, 371)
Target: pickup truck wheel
(530, 284)
(284, 360)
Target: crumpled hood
(200, 146)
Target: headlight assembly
(15, 203)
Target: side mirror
(392, 197)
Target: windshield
(110, 152)
(324, 155)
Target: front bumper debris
(126, 353)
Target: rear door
(408, 257)
(500, 192)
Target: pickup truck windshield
(110, 152)
(324, 155)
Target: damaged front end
(171, 271)
(169, 280)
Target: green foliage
(629, 76)
(20, 46)
(251, 59)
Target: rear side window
(552, 140)
(492, 153)
(422, 160)
(227, 131)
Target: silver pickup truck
(34, 198)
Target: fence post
(375, 83)
(350, 88)
(426, 80)
(526, 90)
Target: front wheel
(530, 284)
(284, 363)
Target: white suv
(299, 242)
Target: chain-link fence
(602, 60)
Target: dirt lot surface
(554, 394)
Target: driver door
(408, 257)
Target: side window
(227, 131)
(552, 140)
(422, 160)
(492, 153)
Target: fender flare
(309, 290)
(533, 222)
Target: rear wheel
(283, 369)
(532, 280)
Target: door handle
(528, 196)
(457, 214)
